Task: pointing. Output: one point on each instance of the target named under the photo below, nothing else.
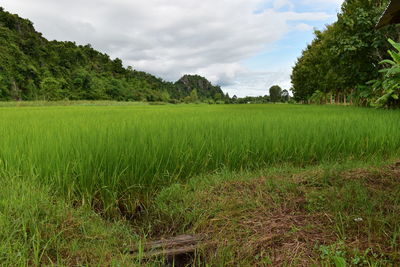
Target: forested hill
(33, 68)
(203, 87)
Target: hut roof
(391, 15)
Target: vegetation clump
(342, 59)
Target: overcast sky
(245, 46)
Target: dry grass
(301, 219)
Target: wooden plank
(175, 246)
(171, 252)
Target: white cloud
(303, 27)
(256, 83)
(277, 4)
(323, 3)
(171, 37)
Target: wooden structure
(391, 15)
(177, 246)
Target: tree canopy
(345, 56)
(275, 93)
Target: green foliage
(334, 255)
(344, 57)
(50, 89)
(285, 96)
(193, 95)
(275, 93)
(318, 97)
(391, 80)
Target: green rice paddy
(124, 152)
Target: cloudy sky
(245, 46)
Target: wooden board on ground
(175, 246)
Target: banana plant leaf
(391, 15)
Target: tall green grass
(123, 152)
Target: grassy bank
(329, 215)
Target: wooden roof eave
(391, 15)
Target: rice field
(111, 153)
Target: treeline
(276, 95)
(343, 63)
(33, 68)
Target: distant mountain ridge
(33, 68)
(204, 88)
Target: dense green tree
(193, 96)
(275, 93)
(285, 96)
(345, 56)
(51, 89)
